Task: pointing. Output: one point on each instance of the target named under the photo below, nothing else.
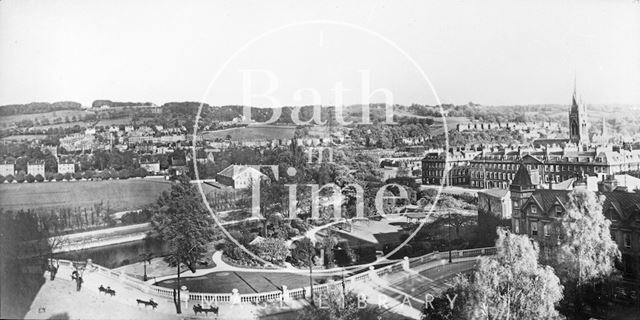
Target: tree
(303, 252)
(512, 285)
(9, 178)
(30, 178)
(20, 177)
(140, 172)
(328, 243)
(39, 178)
(587, 253)
(337, 305)
(58, 176)
(184, 223)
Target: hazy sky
(488, 52)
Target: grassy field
(252, 133)
(51, 116)
(119, 194)
(26, 137)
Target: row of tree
(21, 177)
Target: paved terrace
(411, 278)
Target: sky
(279, 52)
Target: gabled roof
(625, 204)
(234, 170)
(547, 199)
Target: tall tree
(587, 253)
(512, 285)
(338, 305)
(185, 224)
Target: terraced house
(447, 168)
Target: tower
(521, 189)
(578, 124)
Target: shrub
(68, 176)
(9, 178)
(20, 177)
(133, 217)
(77, 175)
(49, 176)
(30, 178)
(58, 176)
(39, 177)
(89, 174)
(105, 175)
(124, 174)
(272, 250)
(140, 172)
(2, 178)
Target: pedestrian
(78, 283)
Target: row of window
(626, 238)
(494, 175)
(491, 184)
(546, 231)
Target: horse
(151, 303)
(198, 308)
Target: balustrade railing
(276, 296)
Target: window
(547, 230)
(534, 228)
(558, 211)
(627, 240)
(515, 204)
(534, 209)
(516, 226)
(613, 236)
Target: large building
(7, 168)
(536, 212)
(35, 168)
(66, 166)
(549, 161)
(239, 176)
(447, 168)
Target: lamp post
(344, 289)
(146, 257)
(310, 277)
(449, 236)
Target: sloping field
(51, 116)
(119, 194)
(254, 132)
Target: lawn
(245, 282)
(253, 132)
(119, 194)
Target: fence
(300, 293)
